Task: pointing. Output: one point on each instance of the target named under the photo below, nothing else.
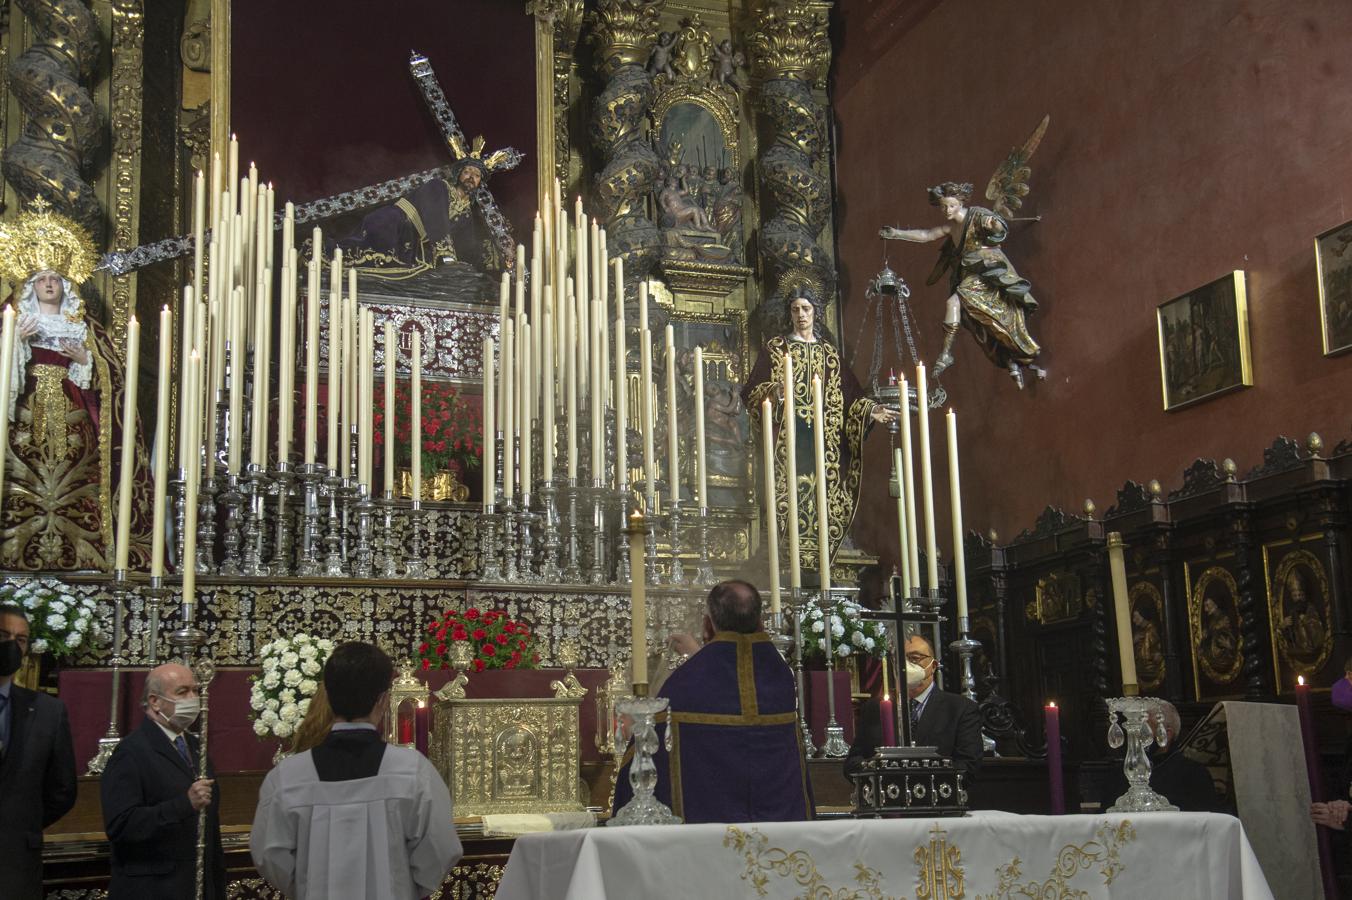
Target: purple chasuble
(736, 753)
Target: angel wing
(1009, 185)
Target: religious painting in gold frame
(1204, 342)
(1147, 634)
(1333, 263)
(1057, 598)
(1300, 612)
(1214, 631)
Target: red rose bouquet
(452, 429)
(499, 642)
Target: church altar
(989, 855)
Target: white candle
(547, 400)
(188, 329)
(648, 413)
(366, 405)
(927, 482)
(415, 419)
(188, 564)
(621, 405)
(163, 425)
(789, 430)
(598, 393)
(286, 367)
(335, 380)
(523, 400)
(127, 475)
(312, 362)
(912, 562)
(701, 473)
(903, 545)
(489, 437)
(199, 228)
(391, 373)
(259, 437)
(238, 355)
(509, 388)
(771, 513)
(823, 516)
(643, 305)
(955, 497)
(216, 176)
(572, 376)
(1117, 565)
(673, 442)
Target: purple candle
(889, 721)
(1312, 771)
(1055, 777)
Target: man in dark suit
(37, 765)
(152, 797)
(949, 722)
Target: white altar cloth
(1149, 855)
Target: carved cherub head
(951, 197)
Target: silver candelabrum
(490, 567)
(416, 566)
(156, 595)
(834, 746)
(705, 573)
(1143, 718)
(119, 590)
(333, 541)
(965, 647)
(308, 563)
(233, 499)
(644, 808)
(676, 577)
(550, 572)
(206, 526)
(387, 554)
(282, 544)
(254, 531)
(364, 564)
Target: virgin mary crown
(40, 240)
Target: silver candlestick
(572, 572)
(650, 541)
(119, 590)
(333, 559)
(676, 577)
(156, 594)
(416, 566)
(596, 566)
(796, 613)
(206, 526)
(705, 573)
(255, 493)
(308, 564)
(233, 499)
(965, 646)
(644, 808)
(509, 538)
(1144, 721)
(834, 746)
(387, 556)
(281, 546)
(180, 488)
(364, 566)
(620, 498)
(550, 573)
(524, 519)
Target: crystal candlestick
(387, 555)
(644, 808)
(1144, 721)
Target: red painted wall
(322, 99)
(1186, 140)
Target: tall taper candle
(598, 397)
(648, 413)
(199, 229)
(523, 404)
(127, 475)
(312, 362)
(1122, 607)
(509, 388)
(638, 584)
(571, 398)
(391, 374)
(258, 439)
(489, 440)
(1055, 773)
(333, 415)
(415, 419)
(823, 517)
(955, 498)
(771, 514)
(187, 333)
(163, 425)
(673, 439)
(547, 344)
(6, 380)
(903, 546)
(187, 566)
(286, 364)
(912, 562)
(927, 482)
(701, 476)
(789, 430)
(621, 405)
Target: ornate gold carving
(1070, 861)
(63, 127)
(49, 409)
(1300, 613)
(43, 240)
(941, 874)
(194, 44)
(469, 882)
(1147, 638)
(719, 99)
(407, 694)
(1057, 598)
(623, 32)
(1213, 616)
(791, 41)
(127, 92)
(508, 756)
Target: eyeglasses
(920, 659)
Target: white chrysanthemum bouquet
(291, 669)
(59, 621)
(850, 634)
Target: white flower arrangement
(287, 680)
(850, 634)
(59, 621)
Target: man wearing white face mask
(948, 722)
(152, 796)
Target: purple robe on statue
(736, 751)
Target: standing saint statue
(849, 413)
(986, 293)
(63, 408)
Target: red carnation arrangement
(452, 429)
(499, 641)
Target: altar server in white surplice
(355, 817)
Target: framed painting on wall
(1333, 262)
(1204, 342)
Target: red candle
(1316, 778)
(889, 721)
(405, 729)
(420, 718)
(1055, 776)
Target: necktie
(182, 745)
(4, 724)
(915, 716)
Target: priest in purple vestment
(736, 752)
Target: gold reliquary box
(513, 755)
